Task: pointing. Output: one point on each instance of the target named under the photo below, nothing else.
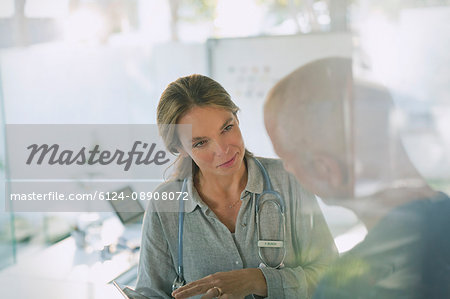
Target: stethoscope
(275, 199)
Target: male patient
(339, 137)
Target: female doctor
(232, 244)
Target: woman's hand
(229, 285)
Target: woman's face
(216, 144)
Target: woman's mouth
(229, 163)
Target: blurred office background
(107, 62)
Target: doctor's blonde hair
(179, 98)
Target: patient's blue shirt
(406, 255)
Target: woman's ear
(182, 152)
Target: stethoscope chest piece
(178, 282)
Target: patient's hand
(231, 285)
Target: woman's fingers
(197, 287)
(190, 290)
(231, 284)
(212, 293)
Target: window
(6, 8)
(46, 8)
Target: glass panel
(7, 244)
(405, 48)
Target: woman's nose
(221, 148)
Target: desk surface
(65, 271)
(50, 289)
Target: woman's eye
(199, 144)
(228, 128)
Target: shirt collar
(255, 184)
(255, 181)
(194, 198)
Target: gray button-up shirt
(209, 247)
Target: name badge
(277, 244)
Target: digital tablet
(120, 290)
(131, 293)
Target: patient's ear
(328, 169)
